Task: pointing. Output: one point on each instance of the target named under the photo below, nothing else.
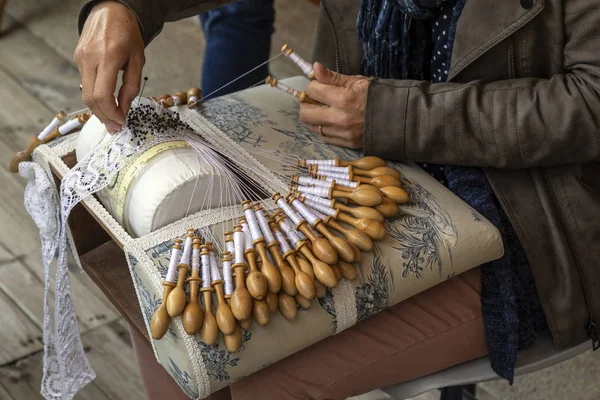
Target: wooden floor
(38, 78)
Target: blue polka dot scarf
(407, 39)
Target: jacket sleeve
(518, 123)
(152, 14)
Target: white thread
(304, 65)
(342, 182)
(171, 272)
(227, 278)
(192, 99)
(48, 130)
(69, 126)
(321, 162)
(319, 207)
(247, 236)
(333, 168)
(238, 243)
(215, 274)
(318, 214)
(285, 247)
(336, 176)
(253, 224)
(264, 226)
(187, 251)
(230, 247)
(196, 260)
(205, 270)
(310, 181)
(290, 232)
(289, 211)
(305, 212)
(285, 88)
(317, 199)
(317, 191)
(177, 100)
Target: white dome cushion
(160, 192)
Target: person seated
(498, 101)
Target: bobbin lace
(66, 368)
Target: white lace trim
(344, 304)
(66, 368)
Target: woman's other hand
(342, 115)
(111, 40)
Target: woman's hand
(111, 40)
(342, 116)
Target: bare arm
(113, 37)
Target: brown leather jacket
(522, 101)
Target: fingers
(313, 114)
(328, 76)
(132, 77)
(328, 94)
(104, 87)
(336, 141)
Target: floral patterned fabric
(436, 237)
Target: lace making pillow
(155, 188)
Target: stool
(456, 379)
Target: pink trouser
(431, 331)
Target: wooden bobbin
(347, 270)
(233, 342)
(247, 323)
(374, 229)
(360, 212)
(179, 98)
(209, 331)
(165, 100)
(369, 162)
(270, 272)
(261, 312)
(287, 306)
(321, 290)
(194, 95)
(362, 195)
(225, 319)
(379, 171)
(338, 273)
(379, 181)
(241, 300)
(303, 64)
(396, 194)
(287, 274)
(35, 141)
(341, 246)
(302, 281)
(256, 281)
(272, 301)
(303, 301)
(177, 298)
(321, 247)
(358, 257)
(354, 236)
(159, 324)
(388, 208)
(323, 272)
(193, 315)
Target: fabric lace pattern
(66, 368)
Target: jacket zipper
(335, 37)
(592, 328)
(512, 54)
